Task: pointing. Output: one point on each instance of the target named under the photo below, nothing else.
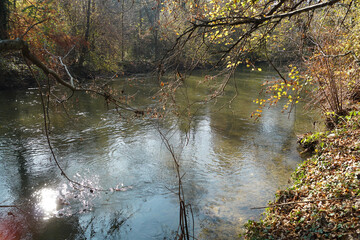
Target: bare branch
(67, 71)
(216, 23)
(21, 45)
(276, 7)
(29, 28)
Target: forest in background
(130, 36)
(313, 42)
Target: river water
(230, 164)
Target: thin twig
(183, 220)
(29, 28)
(46, 126)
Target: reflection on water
(47, 202)
(230, 164)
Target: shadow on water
(231, 164)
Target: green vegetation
(324, 199)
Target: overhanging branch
(20, 45)
(259, 20)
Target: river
(230, 164)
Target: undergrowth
(324, 199)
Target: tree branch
(213, 23)
(20, 45)
(29, 28)
(276, 7)
(67, 71)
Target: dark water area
(230, 162)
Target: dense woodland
(86, 38)
(313, 45)
(313, 42)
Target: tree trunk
(156, 31)
(156, 43)
(4, 19)
(137, 49)
(85, 47)
(122, 30)
(154, 21)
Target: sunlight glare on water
(229, 164)
(47, 202)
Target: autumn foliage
(323, 201)
(40, 24)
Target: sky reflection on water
(231, 164)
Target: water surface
(230, 162)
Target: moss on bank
(324, 200)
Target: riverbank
(324, 199)
(15, 74)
